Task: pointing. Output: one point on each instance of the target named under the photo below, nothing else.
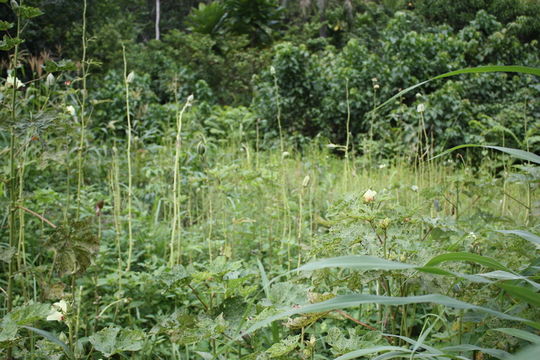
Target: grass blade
(520, 154)
(535, 239)
(377, 349)
(496, 353)
(475, 70)
(465, 256)
(358, 262)
(353, 300)
(521, 334)
(51, 337)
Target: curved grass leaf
(358, 262)
(465, 256)
(521, 334)
(353, 300)
(520, 154)
(51, 337)
(496, 353)
(475, 70)
(535, 239)
(523, 293)
(529, 353)
(377, 349)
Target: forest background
(165, 165)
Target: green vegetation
(261, 180)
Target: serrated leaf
(9, 330)
(283, 347)
(5, 25)
(28, 314)
(28, 12)
(8, 43)
(104, 341)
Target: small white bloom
(421, 108)
(376, 86)
(13, 81)
(374, 80)
(369, 196)
(50, 80)
(130, 77)
(472, 235)
(306, 180)
(285, 154)
(272, 70)
(382, 166)
(71, 110)
(58, 311)
(190, 99)
(414, 188)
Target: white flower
(369, 196)
(414, 188)
(13, 81)
(421, 108)
(382, 166)
(58, 311)
(71, 110)
(376, 86)
(50, 80)
(285, 154)
(272, 70)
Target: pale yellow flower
(369, 196)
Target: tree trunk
(158, 13)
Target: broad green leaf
(5, 25)
(264, 278)
(104, 341)
(353, 300)
(283, 347)
(113, 340)
(475, 70)
(522, 334)
(8, 43)
(28, 12)
(51, 337)
(465, 256)
(520, 154)
(9, 330)
(535, 239)
(28, 314)
(358, 262)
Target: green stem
(80, 159)
(130, 189)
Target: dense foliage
(231, 183)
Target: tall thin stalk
(285, 202)
(175, 223)
(12, 183)
(84, 70)
(127, 80)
